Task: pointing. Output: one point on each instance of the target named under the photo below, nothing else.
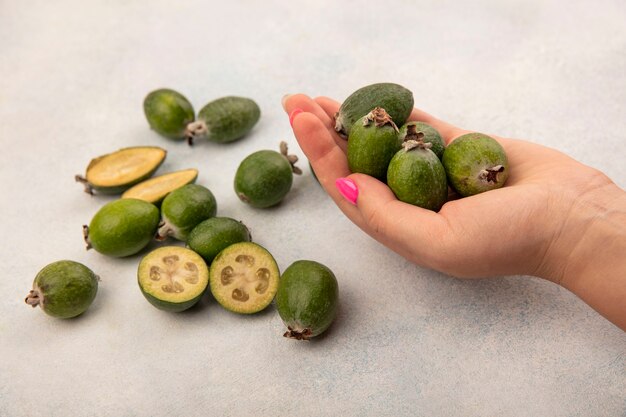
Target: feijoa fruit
(183, 209)
(168, 112)
(424, 132)
(213, 235)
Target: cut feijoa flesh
(117, 171)
(155, 189)
(173, 278)
(244, 278)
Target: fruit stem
(164, 230)
(413, 144)
(291, 158)
(195, 129)
(304, 334)
(86, 236)
(32, 299)
(339, 127)
(490, 174)
(83, 180)
(380, 117)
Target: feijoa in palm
(307, 299)
(475, 163)
(424, 132)
(122, 227)
(185, 208)
(173, 278)
(213, 235)
(264, 178)
(168, 112)
(63, 289)
(416, 176)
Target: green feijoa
(183, 209)
(168, 112)
(373, 141)
(63, 289)
(307, 299)
(475, 163)
(122, 227)
(416, 176)
(397, 100)
(265, 177)
(225, 119)
(172, 278)
(244, 278)
(424, 132)
(215, 234)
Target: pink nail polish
(293, 115)
(348, 189)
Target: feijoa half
(475, 163)
(183, 209)
(168, 112)
(213, 235)
(264, 178)
(244, 278)
(122, 227)
(307, 299)
(172, 278)
(117, 171)
(155, 189)
(63, 289)
(424, 132)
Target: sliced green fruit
(185, 208)
(307, 299)
(63, 289)
(225, 120)
(115, 172)
(122, 227)
(424, 132)
(264, 178)
(416, 176)
(244, 278)
(372, 143)
(395, 99)
(168, 112)
(215, 234)
(155, 189)
(172, 278)
(475, 163)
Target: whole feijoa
(373, 141)
(168, 112)
(307, 299)
(395, 99)
(122, 227)
(416, 176)
(424, 132)
(475, 163)
(225, 120)
(264, 178)
(183, 209)
(215, 234)
(63, 289)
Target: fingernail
(293, 115)
(348, 189)
(284, 99)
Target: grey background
(407, 341)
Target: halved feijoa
(155, 189)
(424, 132)
(307, 299)
(397, 100)
(122, 227)
(244, 278)
(172, 278)
(115, 172)
(215, 234)
(183, 209)
(63, 289)
(168, 112)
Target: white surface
(407, 341)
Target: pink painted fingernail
(293, 115)
(284, 99)
(348, 189)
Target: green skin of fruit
(417, 177)
(430, 136)
(65, 289)
(263, 179)
(467, 156)
(370, 148)
(123, 227)
(185, 208)
(229, 118)
(395, 99)
(168, 112)
(215, 234)
(307, 299)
